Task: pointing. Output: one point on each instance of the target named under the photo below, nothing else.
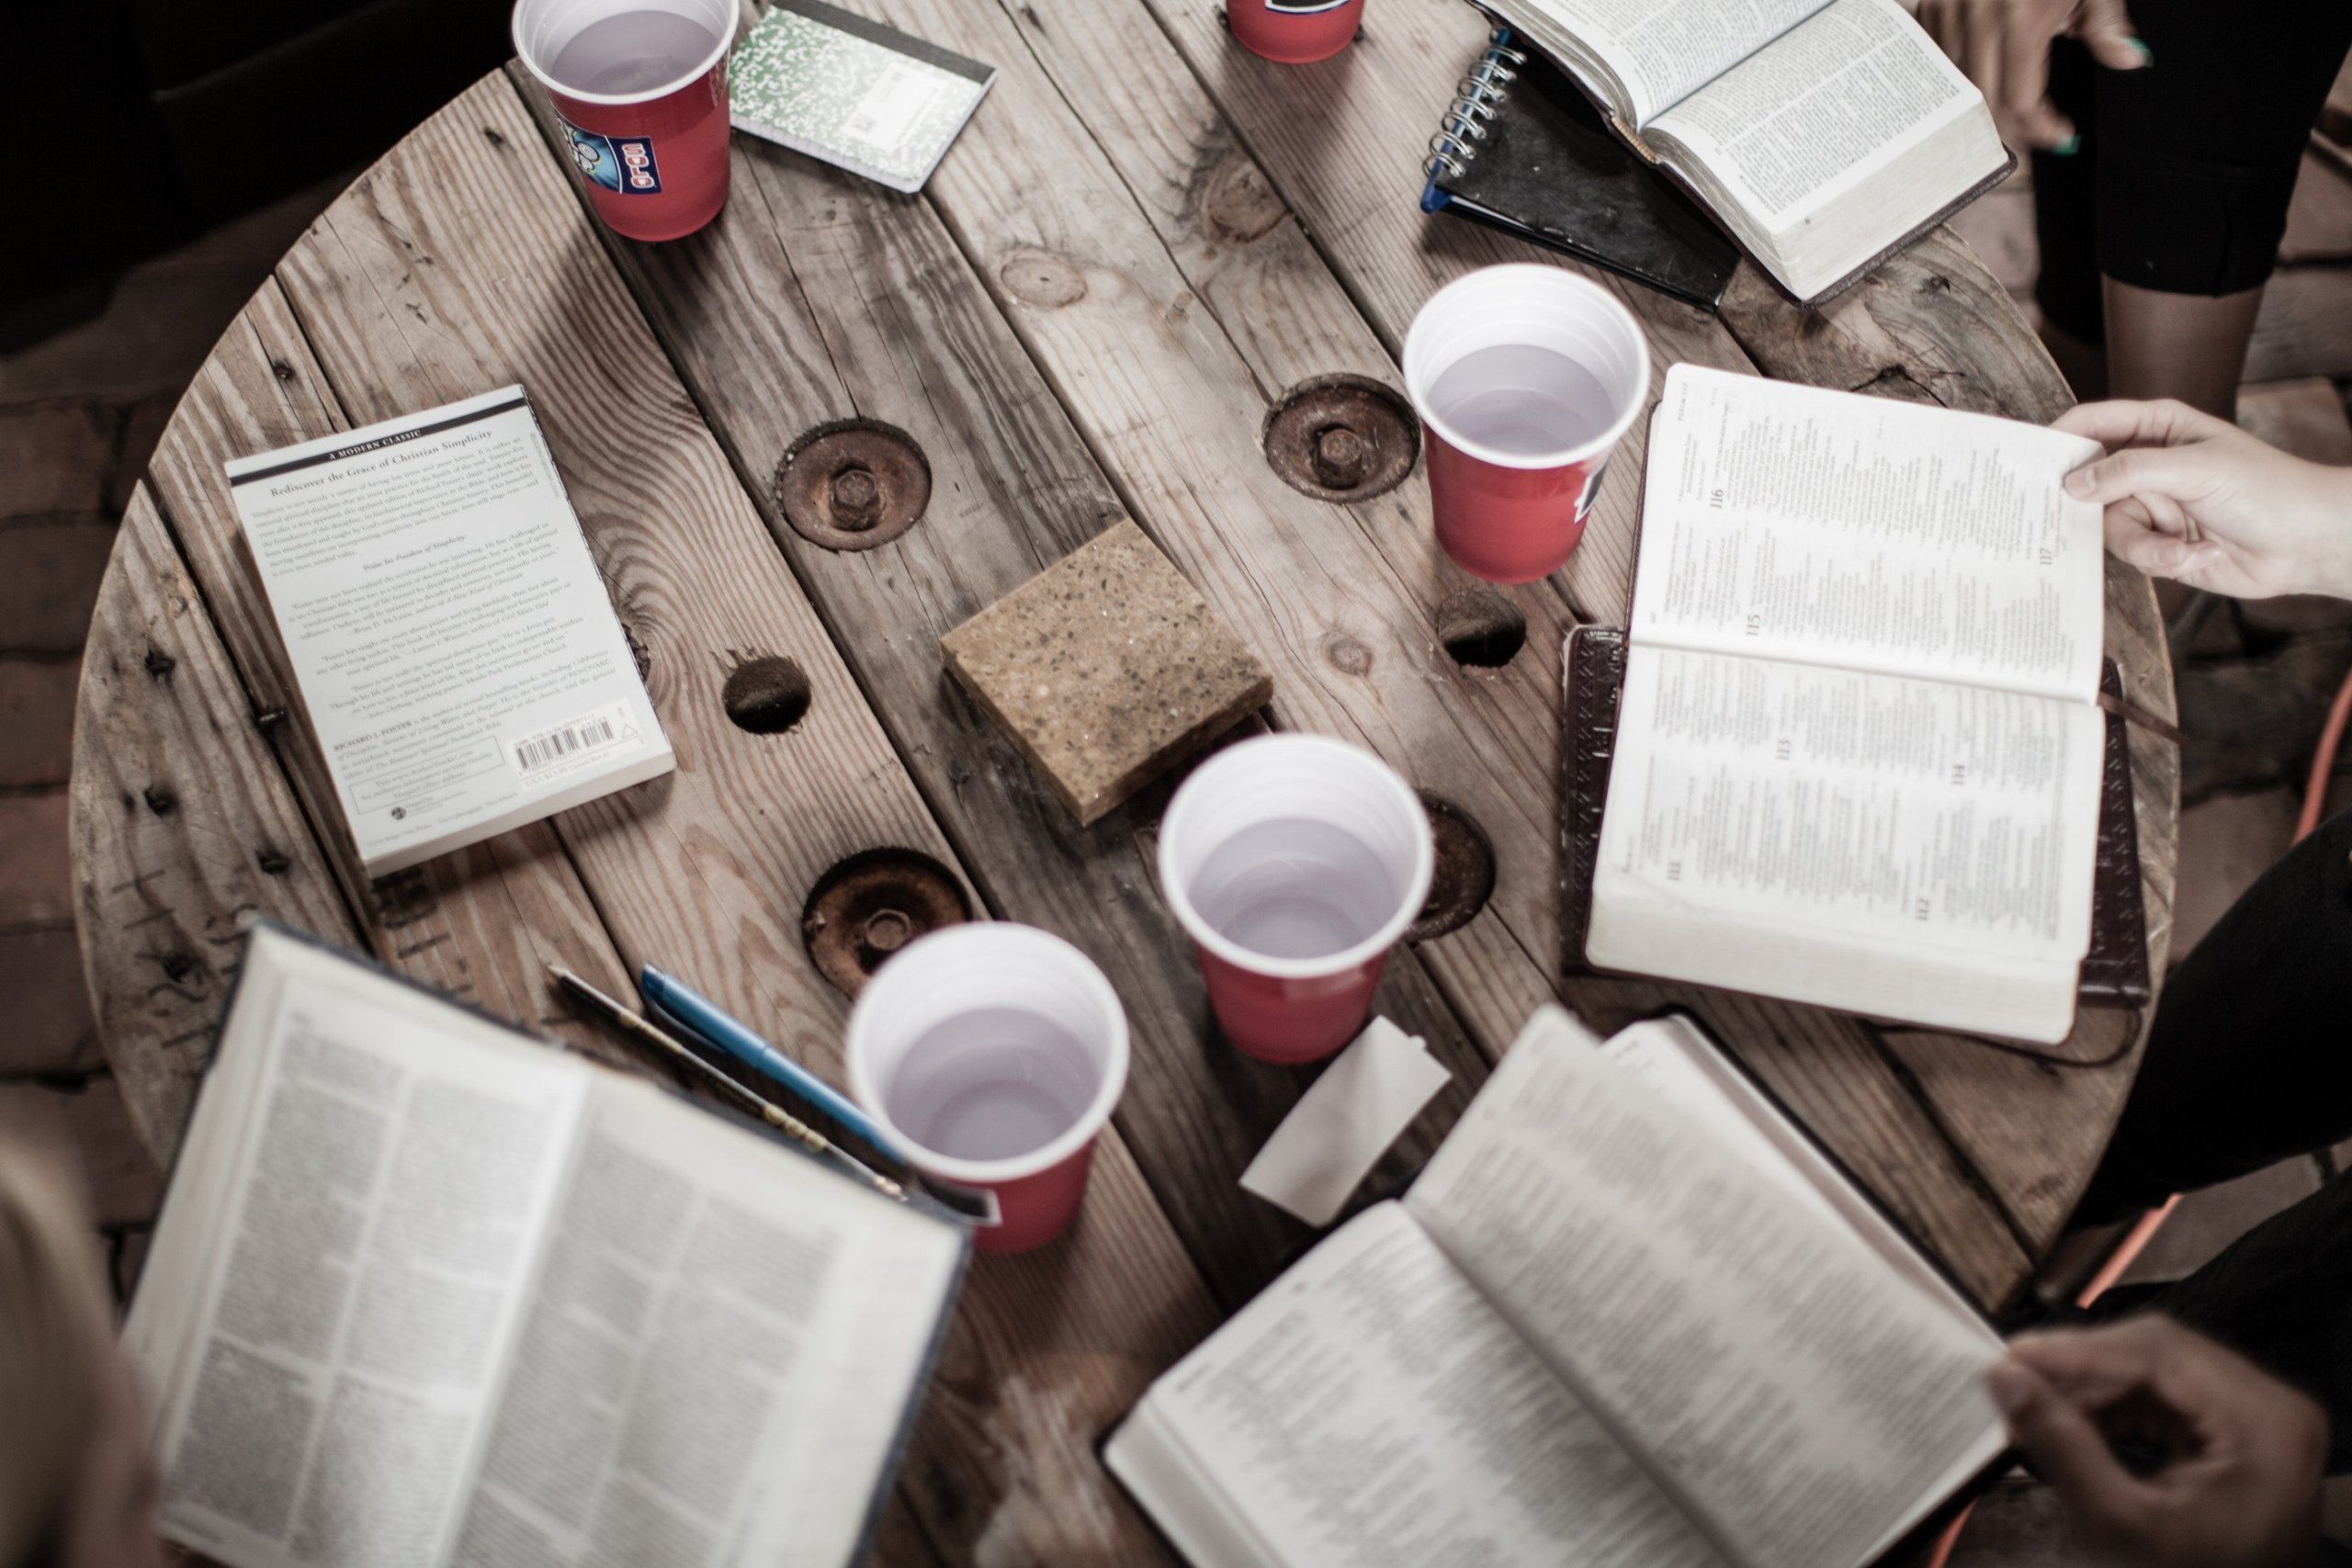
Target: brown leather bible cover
(2115, 971)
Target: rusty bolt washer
(1341, 438)
(869, 905)
(853, 484)
(1465, 878)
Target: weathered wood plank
(462, 262)
(2306, 325)
(820, 296)
(183, 826)
(1305, 122)
(1932, 325)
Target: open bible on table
(1853, 752)
(425, 1292)
(1628, 1317)
(1824, 135)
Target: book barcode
(540, 749)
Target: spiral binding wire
(1464, 126)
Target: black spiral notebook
(1523, 150)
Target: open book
(1628, 1317)
(1824, 134)
(1859, 754)
(425, 1292)
(451, 638)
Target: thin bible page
(1886, 809)
(722, 1345)
(1663, 49)
(396, 1184)
(1816, 113)
(1369, 1409)
(1796, 524)
(1807, 1399)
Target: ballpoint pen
(678, 1005)
(776, 1116)
(701, 1021)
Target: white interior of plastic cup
(969, 972)
(542, 27)
(1280, 778)
(1544, 307)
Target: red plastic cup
(1525, 377)
(991, 1055)
(1294, 32)
(1295, 863)
(654, 157)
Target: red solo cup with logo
(1525, 377)
(1294, 32)
(640, 87)
(1295, 863)
(990, 1055)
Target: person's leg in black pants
(2250, 1060)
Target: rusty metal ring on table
(1465, 877)
(853, 484)
(869, 905)
(1342, 437)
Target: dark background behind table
(142, 123)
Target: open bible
(425, 1292)
(1823, 134)
(1858, 758)
(1628, 1317)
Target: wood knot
(272, 861)
(161, 800)
(283, 371)
(1346, 655)
(491, 135)
(159, 664)
(178, 967)
(1041, 277)
(1237, 205)
(1481, 627)
(766, 696)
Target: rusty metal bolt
(857, 499)
(887, 930)
(1341, 458)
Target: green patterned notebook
(854, 93)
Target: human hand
(2191, 497)
(2240, 1485)
(2004, 45)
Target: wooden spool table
(1142, 241)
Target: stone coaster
(1107, 669)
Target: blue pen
(667, 997)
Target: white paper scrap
(1344, 1122)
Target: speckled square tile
(1107, 669)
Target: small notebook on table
(1851, 749)
(852, 92)
(1523, 151)
(425, 1292)
(1628, 1317)
(452, 641)
(1824, 135)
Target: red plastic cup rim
(1004, 942)
(1173, 823)
(1420, 373)
(524, 52)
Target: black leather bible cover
(2115, 971)
(1542, 166)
